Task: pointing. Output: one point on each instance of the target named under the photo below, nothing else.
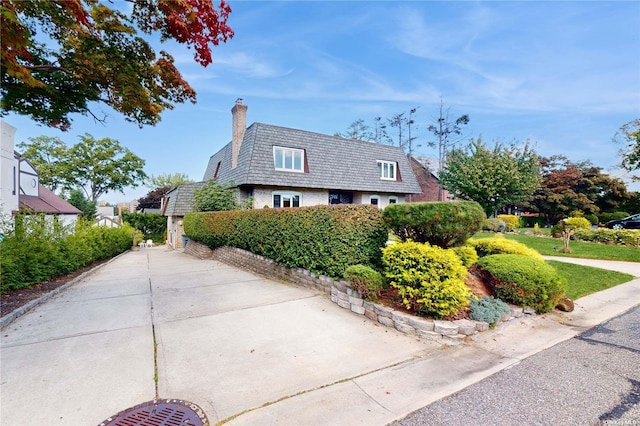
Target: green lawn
(583, 280)
(552, 247)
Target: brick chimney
(239, 125)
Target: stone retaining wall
(344, 296)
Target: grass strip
(553, 247)
(584, 280)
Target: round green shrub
(488, 309)
(467, 255)
(444, 224)
(494, 225)
(431, 280)
(500, 245)
(366, 280)
(592, 218)
(512, 222)
(577, 223)
(524, 281)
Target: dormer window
(288, 159)
(387, 170)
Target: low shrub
(524, 281)
(366, 280)
(494, 225)
(511, 221)
(431, 280)
(624, 237)
(323, 239)
(444, 224)
(467, 255)
(499, 245)
(574, 223)
(592, 218)
(488, 309)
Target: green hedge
(322, 239)
(524, 281)
(624, 237)
(38, 249)
(430, 279)
(444, 224)
(606, 217)
(152, 225)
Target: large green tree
(168, 179)
(46, 154)
(493, 177)
(96, 166)
(567, 187)
(60, 56)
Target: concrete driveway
(155, 323)
(227, 340)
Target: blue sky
(563, 75)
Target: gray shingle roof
(180, 199)
(334, 163)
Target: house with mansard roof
(280, 167)
(283, 167)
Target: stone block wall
(341, 293)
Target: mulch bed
(14, 299)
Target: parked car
(630, 222)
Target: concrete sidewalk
(631, 268)
(246, 349)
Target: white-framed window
(387, 169)
(374, 200)
(393, 199)
(283, 199)
(288, 159)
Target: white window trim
(286, 194)
(374, 197)
(387, 163)
(293, 151)
(394, 197)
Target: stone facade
(341, 293)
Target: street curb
(12, 316)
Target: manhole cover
(163, 412)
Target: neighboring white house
(281, 167)
(20, 188)
(8, 170)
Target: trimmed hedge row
(38, 250)
(627, 237)
(443, 224)
(321, 239)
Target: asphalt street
(591, 379)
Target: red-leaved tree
(59, 56)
